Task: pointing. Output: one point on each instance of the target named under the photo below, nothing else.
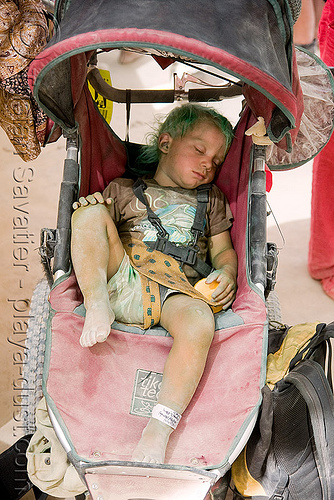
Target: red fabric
(321, 246)
(103, 156)
(269, 179)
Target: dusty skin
(99, 315)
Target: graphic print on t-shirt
(176, 219)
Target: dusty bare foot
(99, 317)
(153, 443)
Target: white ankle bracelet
(166, 415)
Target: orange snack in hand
(207, 289)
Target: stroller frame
(261, 268)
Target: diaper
(125, 294)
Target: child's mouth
(199, 175)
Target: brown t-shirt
(176, 208)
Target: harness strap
(185, 254)
(138, 189)
(202, 202)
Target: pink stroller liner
(91, 390)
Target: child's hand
(91, 199)
(225, 292)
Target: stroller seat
(102, 396)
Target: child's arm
(224, 260)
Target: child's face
(193, 159)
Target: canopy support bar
(161, 96)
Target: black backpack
(290, 454)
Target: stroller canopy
(248, 39)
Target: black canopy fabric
(255, 31)
(250, 39)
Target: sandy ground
(30, 192)
(302, 299)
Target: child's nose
(206, 164)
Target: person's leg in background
(321, 246)
(305, 30)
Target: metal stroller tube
(257, 220)
(68, 192)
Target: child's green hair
(176, 124)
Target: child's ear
(165, 141)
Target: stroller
(99, 399)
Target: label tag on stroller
(145, 392)
(104, 105)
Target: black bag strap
(310, 380)
(281, 486)
(184, 254)
(322, 334)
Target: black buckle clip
(160, 243)
(185, 255)
(191, 255)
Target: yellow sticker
(105, 106)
